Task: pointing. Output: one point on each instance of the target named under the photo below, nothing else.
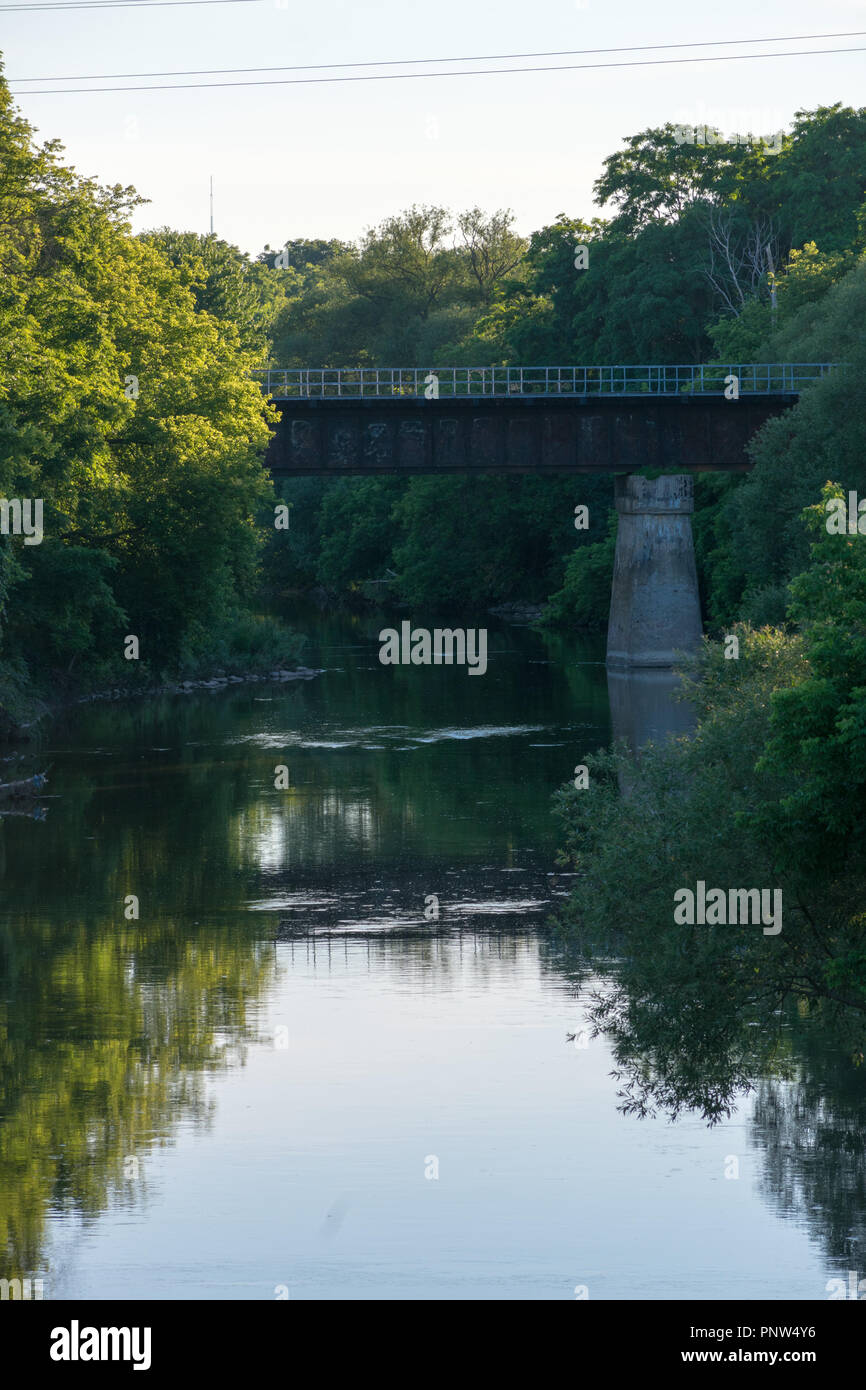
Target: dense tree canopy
(127, 409)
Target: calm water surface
(373, 1103)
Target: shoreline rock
(188, 687)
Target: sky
(332, 159)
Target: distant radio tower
(211, 204)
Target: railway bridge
(631, 421)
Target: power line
(121, 5)
(465, 72)
(465, 58)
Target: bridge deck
(525, 420)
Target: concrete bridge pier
(654, 608)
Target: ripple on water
(359, 738)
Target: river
(378, 1100)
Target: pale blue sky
(330, 160)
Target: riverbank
(12, 731)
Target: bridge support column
(654, 608)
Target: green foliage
(126, 406)
(656, 178)
(468, 541)
(721, 578)
(357, 530)
(694, 1011)
(82, 617)
(760, 333)
(244, 642)
(242, 295)
(409, 293)
(584, 599)
(818, 183)
(818, 728)
(303, 255)
(794, 454)
(290, 558)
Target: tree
(795, 453)
(223, 281)
(743, 258)
(658, 176)
(815, 187)
(127, 409)
(693, 1010)
(492, 247)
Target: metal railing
(357, 383)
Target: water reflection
(138, 1067)
(805, 1102)
(109, 1027)
(811, 1138)
(106, 1033)
(644, 707)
